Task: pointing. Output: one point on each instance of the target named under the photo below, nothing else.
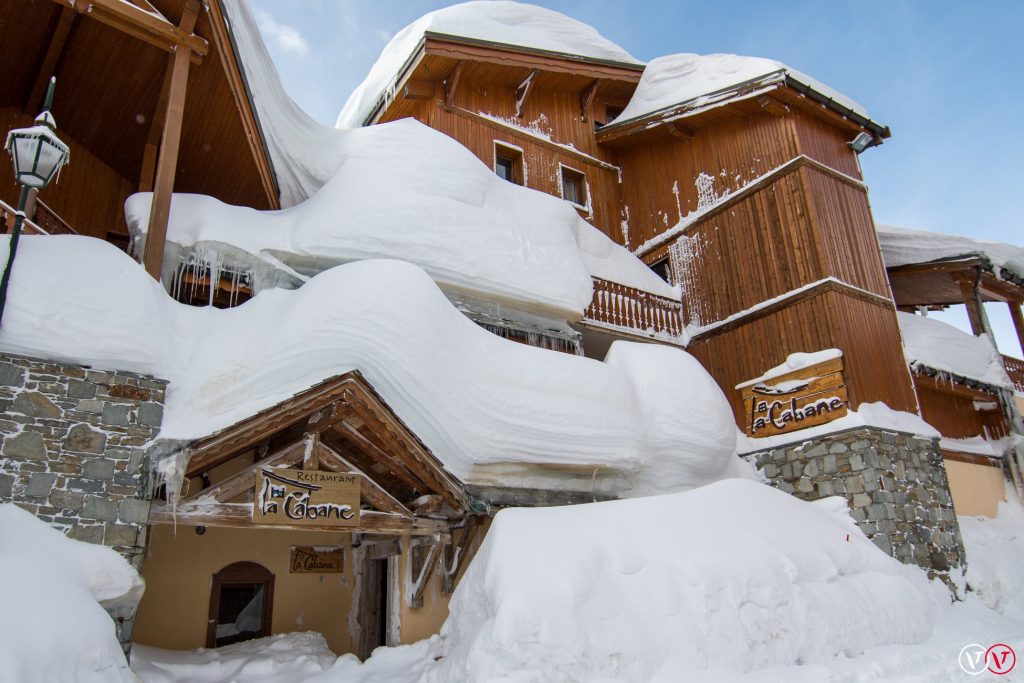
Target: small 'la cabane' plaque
(306, 497)
(806, 397)
(315, 560)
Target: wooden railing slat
(635, 309)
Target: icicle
(169, 472)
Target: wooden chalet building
(750, 197)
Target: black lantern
(38, 155)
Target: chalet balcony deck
(1015, 369)
(633, 311)
(43, 221)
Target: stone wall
(895, 485)
(72, 452)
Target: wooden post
(1018, 321)
(972, 301)
(167, 163)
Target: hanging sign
(315, 560)
(306, 497)
(791, 401)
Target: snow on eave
(742, 91)
(908, 247)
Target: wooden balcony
(43, 221)
(1015, 369)
(634, 311)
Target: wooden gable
(341, 425)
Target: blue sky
(943, 75)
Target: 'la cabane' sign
(787, 402)
(306, 497)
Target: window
(241, 601)
(574, 187)
(508, 163)
(662, 270)
(611, 112)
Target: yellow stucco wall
(976, 489)
(179, 568)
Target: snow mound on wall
(52, 627)
(940, 346)
(901, 247)
(651, 415)
(735, 575)
(675, 79)
(471, 230)
(509, 23)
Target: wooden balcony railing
(635, 310)
(1015, 369)
(48, 220)
(7, 216)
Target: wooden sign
(306, 497)
(806, 397)
(314, 560)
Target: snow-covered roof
(647, 418)
(901, 247)
(931, 343)
(508, 23)
(472, 231)
(681, 78)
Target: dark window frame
(515, 157)
(571, 176)
(246, 574)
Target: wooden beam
(311, 451)
(49, 65)
(375, 494)
(167, 165)
(523, 92)
(969, 290)
(147, 174)
(772, 105)
(243, 481)
(457, 555)
(239, 516)
(679, 131)
(950, 387)
(422, 577)
(587, 98)
(418, 90)
(451, 83)
(139, 23)
(328, 416)
(1018, 321)
(360, 441)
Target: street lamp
(38, 155)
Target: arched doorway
(241, 604)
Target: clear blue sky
(945, 76)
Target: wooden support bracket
(587, 98)
(523, 92)
(451, 83)
(423, 558)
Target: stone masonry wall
(72, 452)
(895, 484)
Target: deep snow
(902, 246)
(649, 418)
(931, 343)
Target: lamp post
(38, 155)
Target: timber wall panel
(760, 248)
(541, 163)
(956, 417)
(846, 231)
(733, 153)
(90, 195)
(822, 142)
(874, 369)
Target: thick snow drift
(52, 627)
(469, 229)
(937, 345)
(649, 418)
(901, 247)
(735, 575)
(509, 23)
(675, 79)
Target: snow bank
(937, 345)
(735, 575)
(509, 23)
(471, 230)
(52, 625)
(995, 555)
(675, 79)
(901, 247)
(651, 416)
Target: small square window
(508, 164)
(574, 187)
